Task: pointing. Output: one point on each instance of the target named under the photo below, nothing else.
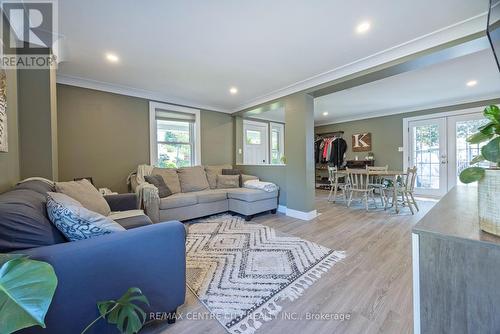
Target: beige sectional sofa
(195, 194)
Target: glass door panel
(461, 127)
(428, 154)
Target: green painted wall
(106, 135)
(37, 119)
(299, 145)
(9, 161)
(387, 133)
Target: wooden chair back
(377, 179)
(358, 181)
(411, 178)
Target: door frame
(446, 115)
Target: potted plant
(488, 178)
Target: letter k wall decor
(362, 142)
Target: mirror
(260, 136)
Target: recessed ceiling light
(112, 57)
(363, 27)
(471, 83)
(325, 113)
(233, 90)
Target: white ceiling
(437, 85)
(192, 51)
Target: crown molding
(382, 113)
(455, 31)
(134, 92)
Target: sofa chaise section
(186, 205)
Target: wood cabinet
(456, 269)
(359, 163)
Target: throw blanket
(146, 192)
(256, 184)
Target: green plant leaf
(26, 291)
(471, 174)
(7, 257)
(491, 151)
(479, 137)
(490, 129)
(492, 113)
(124, 313)
(476, 159)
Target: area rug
(242, 271)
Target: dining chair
(404, 189)
(335, 184)
(376, 181)
(359, 184)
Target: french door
(428, 153)
(437, 146)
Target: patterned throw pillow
(158, 182)
(76, 222)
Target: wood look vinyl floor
(373, 284)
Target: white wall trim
(282, 209)
(383, 113)
(407, 120)
(152, 129)
(131, 91)
(301, 214)
(455, 31)
(415, 242)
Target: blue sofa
(148, 256)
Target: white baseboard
(282, 209)
(301, 214)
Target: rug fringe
(269, 310)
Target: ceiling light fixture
(471, 83)
(325, 113)
(363, 27)
(112, 57)
(233, 90)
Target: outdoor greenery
(489, 152)
(124, 312)
(26, 291)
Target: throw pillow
(158, 182)
(170, 177)
(212, 172)
(84, 192)
(245, 178)
(75, 221)
(233, 172)
(193, 179)
(228, 181)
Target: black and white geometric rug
(242, 271)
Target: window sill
(265, 165)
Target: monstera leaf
(26, 291)
(124, 313)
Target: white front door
(428, 152)
(255, 140)
(459, 128)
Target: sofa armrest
(151, 258)
(122, 202)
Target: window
(174, 136)
(277, 143)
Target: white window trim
(153, 147)
(281, 127)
